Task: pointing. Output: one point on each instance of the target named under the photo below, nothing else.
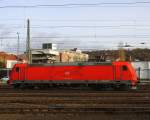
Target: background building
(50, 54)
(44, 56)
(73, 56)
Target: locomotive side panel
(56, 73)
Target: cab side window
(17, 69)
(124, 68)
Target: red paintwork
(86, 72)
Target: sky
(83, 24)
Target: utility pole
(28, 47)
(121, 52)
(18, 46)
(1, 40)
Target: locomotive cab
(17, 74)
(125, 73)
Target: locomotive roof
(73, 64)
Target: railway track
(76, 105)
(73, 101)
(74, 94)
(67, 110)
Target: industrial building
(50, 54)
(44, 56)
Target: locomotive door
(21, 73)
(118, 72)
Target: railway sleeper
(76, 110)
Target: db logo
(67, 73)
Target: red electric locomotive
(86, 73)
